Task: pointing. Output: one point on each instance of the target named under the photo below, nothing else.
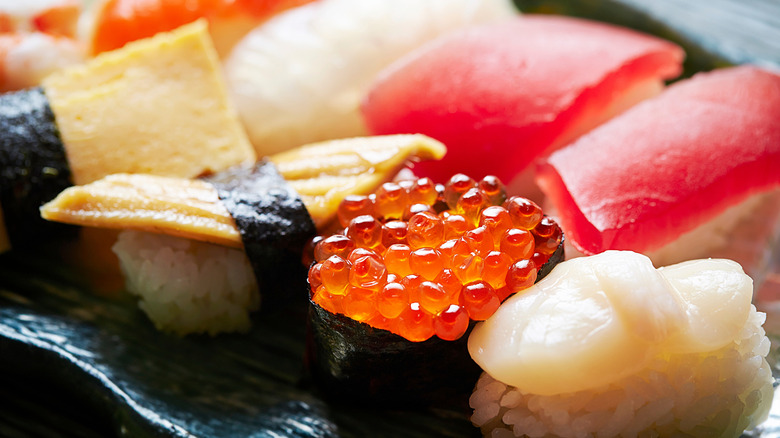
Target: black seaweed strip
(355, 363)
(272, 220)
(33, 167)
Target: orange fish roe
(422, 260)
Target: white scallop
(598, 319)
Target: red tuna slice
(500, 96)
(670, 163)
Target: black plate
(68, 353)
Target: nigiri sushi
(501, 96)
(331, 50)
(110, 24)
(157, 106)
(692, 173)
(199, 252)
(394, 293)
(37, 38)
(610, 346)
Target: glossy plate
(75, 363)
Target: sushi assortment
(199, 252)
(607, 290)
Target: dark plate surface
(74, 363)
(97, 362)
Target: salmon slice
(670, 164)
(117, 22)
(500, 96)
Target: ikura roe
(422, 260)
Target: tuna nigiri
(114, 23)
(675, 175)
(502, 96)
(609, 346)
(299, 77)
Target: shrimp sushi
(610, 346)
(37, 38)
(394, 294)
(113, 23)
(692, 173)
(331, 50)
(83, 123)
(510, 93)
(199, 253)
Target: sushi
(510, 93)
(331, 50)
(36, 39)
(113, 23)
(199, 252)
(83, 123)
(610, 346)
(394, 293)
(692, 173)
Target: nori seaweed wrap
(33, 166)
(271, 218)
(393, 297)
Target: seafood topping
(420, 259)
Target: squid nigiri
(678, 175)
(609, 346)
(299, 77)
(502, 96)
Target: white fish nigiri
(616, 346)
(300, 76)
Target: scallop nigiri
(679, 176)
(299, 77)
(502, 96)
(610, 346)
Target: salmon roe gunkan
(421, 259)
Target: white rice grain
(186, 286)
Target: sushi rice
(714, 394)
(747, 232)
(187, 286)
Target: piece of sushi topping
(423, 260)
